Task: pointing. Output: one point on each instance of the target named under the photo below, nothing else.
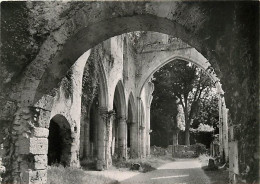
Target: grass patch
(71, 175)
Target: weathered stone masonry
(42, 40)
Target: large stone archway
(158, 57)
(151, 57)
(88, 23)
(144, 16)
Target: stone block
(40, 161)
(44, 119)
(36, 146)
(41, 132)
(34, 177)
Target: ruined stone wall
(42, 40)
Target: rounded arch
(60, 139)
(96, 32)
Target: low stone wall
(158, 151)
(183, 151)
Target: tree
(187, 83)
(208, 113)
(163, 116)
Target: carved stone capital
(111, 114)
(122, 118)
(103, 112)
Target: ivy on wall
(90, 79)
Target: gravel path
(186, 171)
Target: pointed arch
(131, 108)
(103, 90)
(119, 99)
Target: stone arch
(190, 55)
(187, 54)
(60, 139)
(131, 107)
(103, 90)
(138, 18)
(92, 125)
(119, 128)
(119, 99)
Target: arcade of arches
(116, 47)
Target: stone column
(138, 124)
(220, 127)
(225, 132)
(102, 139)
(148, 131)
(104, 159)
(122, 138)
(133, 140)
(143, 141)
(26, 147)
(109, 126)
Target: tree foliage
(192, 89)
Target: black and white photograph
(129, 92)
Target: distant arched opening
(59, 141)
(119, 124)
(130, 123)
(93, 128)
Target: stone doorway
(59, 141)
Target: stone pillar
(102, 139)
(225, 132)
(138, 124)
(109, 126)
(143, 141)
(104, 159)
(133, 140)
(221, 147)
(148, 131)
(122, 138)
(26, 147)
